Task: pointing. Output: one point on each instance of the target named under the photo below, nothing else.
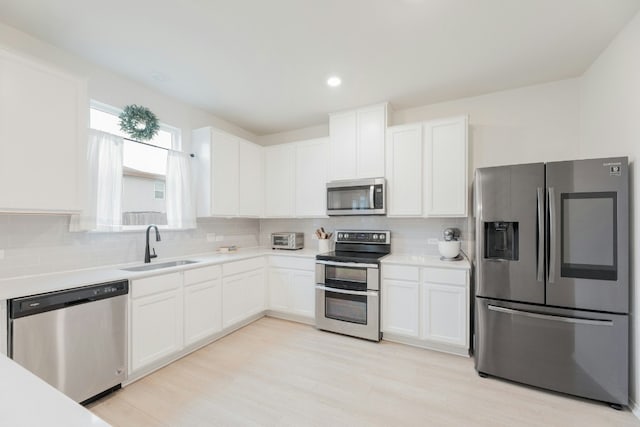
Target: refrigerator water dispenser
(501, 240)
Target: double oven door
(348, 298)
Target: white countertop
(426, 261)
(28, 401)
(30, 285)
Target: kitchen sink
(159, 266)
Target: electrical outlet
(219, 238)
(1, 253)
(211, 237)
(432, 241)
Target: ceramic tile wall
(407, 235)
(36, 244)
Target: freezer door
(570, 351)
(509, 232)
(588, 234)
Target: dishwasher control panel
(34, 304)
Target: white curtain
(180, 208)
(103, 210)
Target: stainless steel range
(348, 284)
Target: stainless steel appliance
(348, 284)
(287, 240)
(357, 197)
(73, 339)
(552, 276)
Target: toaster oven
(287, 240)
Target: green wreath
(139, 122)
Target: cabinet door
(251, 200)
(302, 293)
(156, 328)
(279, 164)
(372, 125)
(342, 146)
(255, 292)
(224, 174)
(43, 122)
(202, 310)
(404, 170)
(233, 300)
(400, 307)
(311, 177)
(444, 313)
(279, 283)
(446, 167)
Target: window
(144, 168)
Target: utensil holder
(324, 245)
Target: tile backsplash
(408, 235)
(37, 244)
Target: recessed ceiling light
(334, 81)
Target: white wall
(114, 89)
(610, 126)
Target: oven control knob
(375, 237)
(381, 236)
(346, 235)
(339, 235)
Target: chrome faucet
(147, 254)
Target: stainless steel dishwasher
(73, 339)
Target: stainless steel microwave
(357, 197)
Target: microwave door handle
(552, 235)
(540, 235)
(371, 201)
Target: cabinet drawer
(401, 272)
(155, 284)
(198, 275)
(292, 263)
(236, 267)
(442, 275)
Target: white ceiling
(262, 64)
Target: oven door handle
(347, 292)
(347, 264)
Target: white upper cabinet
(229, 174)
(427, 168)
(251, 200)
(311, 177)
(357, 143)
(43, 136)
(279, 184)
(404, 170)
(446, 167)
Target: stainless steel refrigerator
(552, 276)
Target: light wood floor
(279, 373)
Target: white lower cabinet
(156, 319)
(292, 286)
(428, 307)
(202, 310)
(444, 317)
(243, 292)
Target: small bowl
(449, 249)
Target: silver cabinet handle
(347, 292)
(540, 233)
(575, 320)
(552, 235)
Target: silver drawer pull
(575, 320)
(347, 292)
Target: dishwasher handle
(28, 306)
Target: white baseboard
(634, 408)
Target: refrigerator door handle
(575, 320)
(552, 235)
(540, 235)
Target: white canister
(324, 245)
(449, 249)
